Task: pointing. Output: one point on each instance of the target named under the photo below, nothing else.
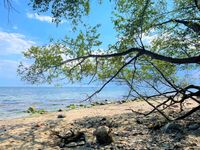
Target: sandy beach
(100, 110)
(37, 131)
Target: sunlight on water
(15, 100)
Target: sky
(22, 28)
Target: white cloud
(39, 17)
(42, 18)
(13, 43)
(147, 39)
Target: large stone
(103, 135)
(172, 128)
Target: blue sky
(23, 28)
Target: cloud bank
(14, 43)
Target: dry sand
(33, 132)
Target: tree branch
(189, 60)
(189, 113)
(197, 4)
(195, 26)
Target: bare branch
(113, 77)
(189, 113)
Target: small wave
(4, 102)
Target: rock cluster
(132, 131)
(119, 132)
(70, 138)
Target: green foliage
(72, 106)
(146, 24)
(63, 9)
(32, 110)
(84, 106)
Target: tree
(174, 27)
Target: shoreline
(128, 128)
(71, 106)
(98, 105)
(109, 107)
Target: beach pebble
(81, 143)
(61, 116)
(38, 125)
(72, 144)
(60, 110)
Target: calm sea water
(15, 100)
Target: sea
(14, 101)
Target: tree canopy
(149, 68)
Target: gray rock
(192, 144)
(166, 146)
(178, 145)
(103, 135)
(123, 101)
(196, 132)
(172, 128)
(72, 144)
(102, 103)
(95, 103)
(108, 102)
(62, 144)
(81, 143)
(179, 136)
(66, 134)
(194, 126)
(59, 110)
